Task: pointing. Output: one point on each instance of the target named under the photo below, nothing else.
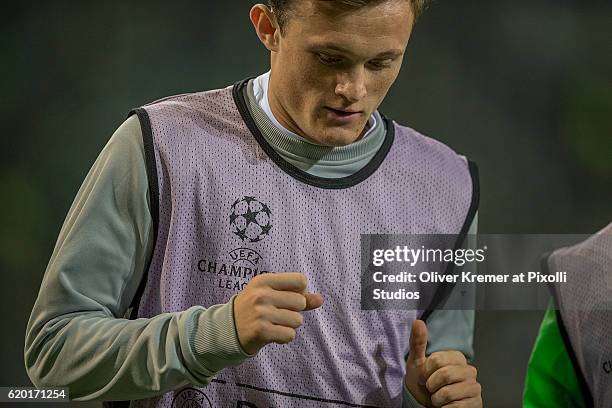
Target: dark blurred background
(521, 87)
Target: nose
(351, 85)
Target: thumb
(313, 300)
(418, 346)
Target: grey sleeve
(76, 336)
(451, 329)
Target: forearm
(103, 358)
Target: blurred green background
(521, 87)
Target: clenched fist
(444, 379)
(268, 310)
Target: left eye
(379, 64)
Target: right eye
(328, 59)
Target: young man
(197, 197)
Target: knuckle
(445, 374)
(457, 356)
(259, 297)
(259, 312)
(474, 371)
(262, 332)
(435, 359)
(256, 280)
(461, 357)
(429, 384)
(439, 397)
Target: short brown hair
(281, 8)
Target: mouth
(342, 115)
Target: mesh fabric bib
(585, 312)
(226, 208)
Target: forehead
(371, 28)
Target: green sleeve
(76, 336)
(551, 380)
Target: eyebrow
(390, 54)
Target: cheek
(311, 89)
(381, 84)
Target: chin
(338, 137)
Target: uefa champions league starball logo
(250, 219)
(190, 398)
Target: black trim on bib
(582, 383)
(239, 94)
(445, 289)
(151, 166)
(304, 397)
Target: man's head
(333, 61)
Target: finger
(440, 359)
(455, 392)
(287, 318)
(288, 300)
(450, 374)
(475, 402)
(418, 343)
(281, 334)
(292, 281)
(418, 346)
(313, 300)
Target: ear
(266, 26)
